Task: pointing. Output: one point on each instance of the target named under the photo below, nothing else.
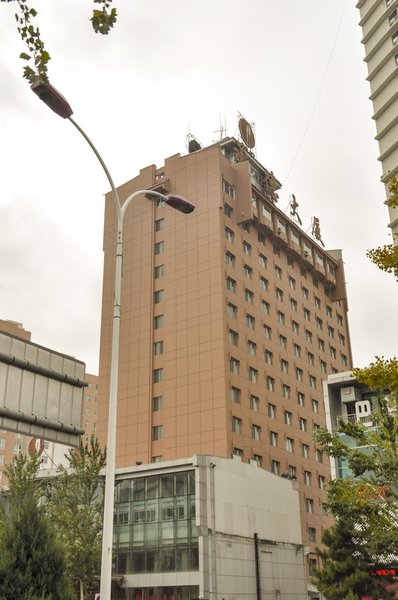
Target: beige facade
(12, 444)
(379, 22)
(231, 318)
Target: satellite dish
(246, 131)
(32, 448)
(193, 146)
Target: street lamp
(61, 107)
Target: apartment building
(379, 22)
(231, 318)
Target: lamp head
(53, 98)
(180, 203)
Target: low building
(207, 527)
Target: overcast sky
(293, 67)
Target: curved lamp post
(61, 107)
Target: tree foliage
(75, 506)
(102, 20)
(365, 505)
(386, 257)
(32, 564)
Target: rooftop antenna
(222, 131)
(192, 144)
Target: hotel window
(230, 259)
(231, 285)
(158, 296)
(317, 302)
(158, 348)
(159, 202)
(267, 332)
(333, 352)
(158, 321)
(273, 438)
(290, 261)
(396, 59)
(235, 395)
(256, 432)
(339, 319)
(295, 327)
(261, 238)
(246, 227)
(275, 467)
(341, 339)
(288, 417)
(305, 450)
(297, 350)
(268, 357)
(311, 534)
(283, 342)
(258, 459)
(229, 234)
(310, 358)
(279, 294)
(157, 375)
(309, 505)
(158, 271)
(263, 283)
(2, 443)
(159, 248)
(265, 307)
(292, 472)
(262, 260)
(277, 250)
(251, 348)
(307, 314)
(281, 226)
(321, 344)
(299, 374)
(278, 272)
(293, 304)
(289, 445)
(228, 188)
(307, 477)
(318, 456)
(394, 38)
(285, 391)
(232, 310)
(308, 335)
(250, 321)
(247, 249)
(323, 366)
(315, 405)
(324, 509)
(228, 210)
(284, 366)
(253, 375)
(312, 381)
(249, 296)
(234, 365)
(233, 337)
(305, 293)
(280, 317)
(248, 272)
(156, 459)
(321, 482)
(236, 425)
(266, 212)
(330, 331)
(157, 432)
(329, 310)
(237, 451)
(271, 411)
(303, 424)
(319, 323)
(393, 18)
(157, 403)
(292, 283)
(254, 403)
(344, 360)
(294, 237)
(270, 383)
(159, 224)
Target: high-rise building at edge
(379, 22)
(231, 319)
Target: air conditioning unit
(349, 394)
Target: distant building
(231, 318)
(379, 22)
(52, 454)
(207, 527)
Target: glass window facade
(154, 529)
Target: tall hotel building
(379, 22)
(231, 319)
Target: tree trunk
(81, 590)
